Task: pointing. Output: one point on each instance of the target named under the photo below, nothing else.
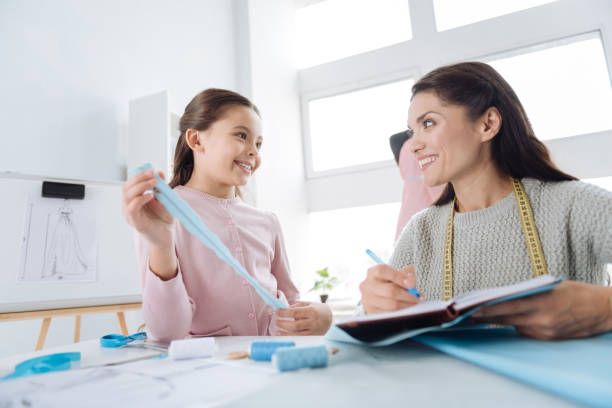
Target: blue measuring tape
(43, 364)
(194, 224)
(118, 340)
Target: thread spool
(289, 359)
(192, 348)
(263, 350)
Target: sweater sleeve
(591, 215)
(166, 307)
(280, 266)
(402, 253)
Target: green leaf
(323, 273)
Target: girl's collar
(218, 200)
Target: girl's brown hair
(204, 109)
(477, 87)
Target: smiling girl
(187, 290)
(507, 213)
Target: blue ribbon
(43, 364)
(118, 340)
(194, 224)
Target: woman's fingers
(380, 304)
(404, 278)
(509, 308)
(384, 289)
(389, 290)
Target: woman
(507, 213)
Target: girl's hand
(384, 289)
(309, 318)
(571, 310)
(144, 212)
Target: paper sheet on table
(150, 383)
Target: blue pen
(380, 261)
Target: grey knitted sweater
(574, 221)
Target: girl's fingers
(138, 203)
(301, 333)
(137, 189)
(299, 312)
(137, 178)
(295, 325)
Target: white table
(405, 374)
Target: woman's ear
(194, 140)
(490, 123)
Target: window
(339, 238)
(603, 182)
(334, 29)
(354, 128)
(564, 87)
(453, 13)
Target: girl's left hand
(309, 318)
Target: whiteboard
(116, 281)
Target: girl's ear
(490, 123)
(194, 140)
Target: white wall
(69, 68)
(280, 182)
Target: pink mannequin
(416, 196)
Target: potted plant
(324, 284)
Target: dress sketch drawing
(59, 241)
(63, 253)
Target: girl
(187, 290)
(471, 134)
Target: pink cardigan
(207, 298)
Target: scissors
(118, 340)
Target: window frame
(410, 59)
(341, 89)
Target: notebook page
(421, 308)
(477, 297)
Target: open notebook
(387, 328)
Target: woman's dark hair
(204, 109)
(477, 87)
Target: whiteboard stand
(47, 315)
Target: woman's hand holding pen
(385, 289)
(151, 219)
(304, 319)
(571, 310)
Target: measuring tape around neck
(530, 232)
